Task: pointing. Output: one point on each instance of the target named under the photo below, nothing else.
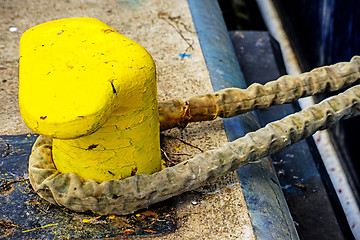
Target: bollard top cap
(74, 72)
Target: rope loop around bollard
(125, 196)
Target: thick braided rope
(231, 102)
(139, 191)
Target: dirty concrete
(165, 29)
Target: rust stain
(148, 214)
(128, 231)
(106, 31)
(122, 222)
(301, 186)
(32, 202)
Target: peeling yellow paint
(90, 219)
(49, 225)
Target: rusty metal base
(24, 215)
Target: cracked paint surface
(97, 97)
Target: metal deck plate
(24, 215)
(307, 188)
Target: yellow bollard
(94, 92)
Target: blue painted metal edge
(268, 211)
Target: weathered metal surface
(306, 186)
(270, 217)
(24, 215)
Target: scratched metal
(24, 215)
